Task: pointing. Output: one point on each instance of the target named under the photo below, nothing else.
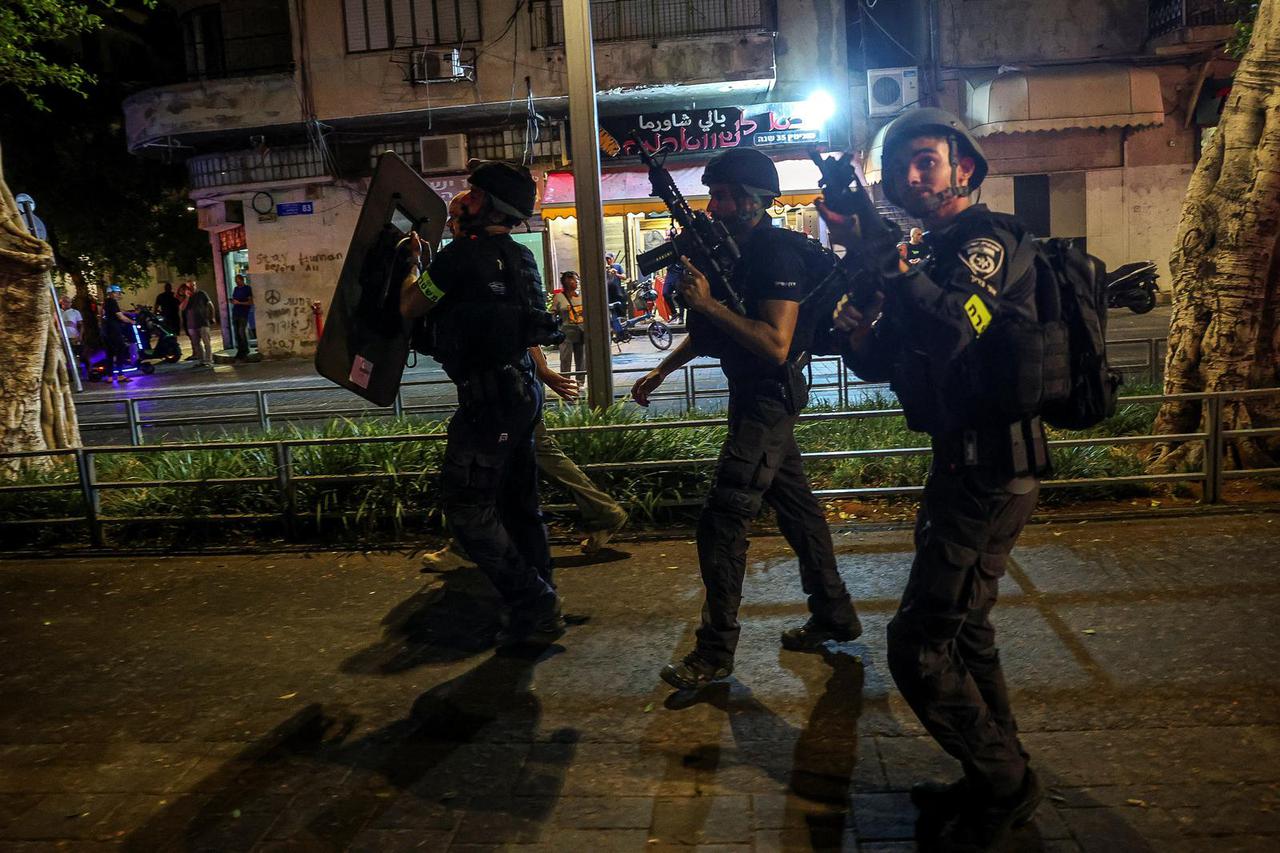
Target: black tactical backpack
(1071, 290)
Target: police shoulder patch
(984, 256)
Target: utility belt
(504, 387)
(788, 385)
(1018, 449)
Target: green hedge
(406, 498)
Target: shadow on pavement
(461, 750)
(454, 616)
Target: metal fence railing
(279, 467)
(133, 417)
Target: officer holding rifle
(937, 331)
(763, 352)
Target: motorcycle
(643, 293)
(1133, 286)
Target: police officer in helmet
(484, 302)
(933, 334)
(763, 355)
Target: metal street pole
(585, 151)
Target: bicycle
(659, 332)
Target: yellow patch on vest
(429, 288)
(979, 316)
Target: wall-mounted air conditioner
(891, 90)
(210, 216)
(439, 66)
(446, 153)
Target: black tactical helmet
(746, 166)
(511, 187)
(931, 121)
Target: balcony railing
(650, 20)
(1166, 16)
(250, 167)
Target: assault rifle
(706, 243)
(844, 193)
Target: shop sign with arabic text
(694, 131)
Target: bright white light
(819, 107)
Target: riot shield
(365, 343)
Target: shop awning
(626, 190)
(1064, 97)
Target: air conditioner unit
(210, 216)
(438, 66)
(447, 153)
(892, 90)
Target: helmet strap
(937, 200)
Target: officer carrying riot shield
(941, 332)
(482, 304)
(763, 352)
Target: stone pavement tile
(614, 769)
(222, 826)
(1221, 844)
(1125, 633)
(70, 816)
(481, 768)
(1238, 754)
(160, 815)
(1104, 830)
(61, 847)
(514, 820)
(889, 816)
(400, 840)
(336, 816)
(702, 820)
(790, 840)
(408, 811)
(151, 822)
(597, 840)
(787, 811)
(908, 760)
(592, 813)
(14, 806)
(1049, 823)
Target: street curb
(411, 549)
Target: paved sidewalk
(343, 701)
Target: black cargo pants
(489, 491)
(942, 649)
(761, 462)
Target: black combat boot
(986, 823)
(810, 636)
(693, 672)
(542, 623)
(941, 799)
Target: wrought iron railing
(637, 20)
(248, 167)
(1166, 16)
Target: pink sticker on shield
(361, 372)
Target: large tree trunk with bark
(38, 412)
(1225, 329)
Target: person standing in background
(241, 305)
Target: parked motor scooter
(1133, 286)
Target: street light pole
(584, 128)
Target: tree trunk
(1224, 334)
(38, 411)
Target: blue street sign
(295, 208)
